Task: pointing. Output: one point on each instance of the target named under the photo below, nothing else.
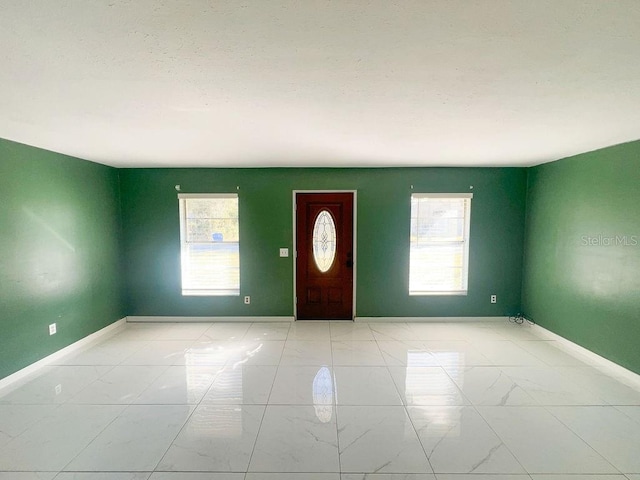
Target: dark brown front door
(324, 265)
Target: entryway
(324, 264)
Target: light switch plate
(284, 252)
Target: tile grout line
(264, 412)
(545, 407)
(186, 421)
(335, 402)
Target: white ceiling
(320, 83)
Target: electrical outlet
(494, 299)
(284, 252)
(247, 300)
(52, 329)
(58, 389)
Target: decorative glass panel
(324, 241)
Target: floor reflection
(431, 385)
(323, 391)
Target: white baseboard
(610, 367)
(48, 360)
(162, 319)
(429, 319)
(169, 319)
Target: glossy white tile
(631, 412)
(161, 352)
(212, 352)
(268, 331)
(553, 353)
(480, 476)
(241, 384)
(216, 438)
(489, 386)
(230, 331)
(110, 352)
(49, 444)
(184, 331)
(304, 386)
(388, 476)
(27, 475)
(478, 333)
(426, 386)
(513, 331)
(121, 385)
(304, 352)
(365, 386)
(182, 384)
(317, 331)
(195, 476)
(407, 352)
(135, 441)
(436, 331)
(458, 440)
(15, 419)
(322, 401)
(261, 352)
(578, 477)
(296, 439)
(548, 387)
(543, 444)
(505, 352)
(379, 440)
(103, 476)
(349, 352)
(53, 384)
(614, 391)
(455, 353)
(142, 331)
(608, 431)
(292, 476)
(350, 332)
(396, 331)
(240, 352)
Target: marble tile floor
(323, 401)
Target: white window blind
(439, 244)
(209, 244)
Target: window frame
(182, 211)
(465, 241)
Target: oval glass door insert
(324, 241)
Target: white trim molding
(163, 319)
(354, 253)
(429, 319)
(609, 367)
(109, 330)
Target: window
(209, 244)
(439, 244)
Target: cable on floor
(519, 318)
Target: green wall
(580, 281)
(59, 252)
(152, 238)
(82, 245)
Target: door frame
(355, 247)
